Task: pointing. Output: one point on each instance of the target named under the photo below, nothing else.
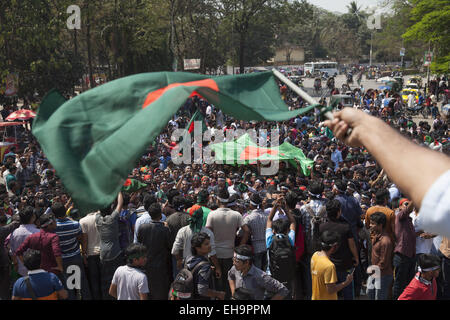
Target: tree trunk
(89, 49)
(241, 52)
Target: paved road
(308, 84)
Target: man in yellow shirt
(323, 271)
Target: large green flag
(95, 139)
(244, 150)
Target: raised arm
(413, 168)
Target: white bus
(329, 67)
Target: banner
(12, 84)
(191, 64)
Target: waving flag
(243, 151)
(132, 185)
(95, 139)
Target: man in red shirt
(423, 286)
(47, 242)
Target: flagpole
(303, 94)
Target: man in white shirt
(130, 282)
(92, 256)
(224, 223)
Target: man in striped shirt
(70, 238)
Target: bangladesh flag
(95, 139)
(132, 185)
(243, 151)
(196, 117)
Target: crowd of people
(341, 230)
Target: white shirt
(224, 223)
(434, 214)
(130, 282)
(183, 241)
(411, 100)
(88, 226)
(422, 245)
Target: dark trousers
(5, 283)
(158, 282)
(108, 269)
(443, 280)
(260, 260)
(94, 276)
(84, 291)
(404, 270)
(303, 281)
(347, 292)
(222, 283)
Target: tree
(430, 25)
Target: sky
(341, 5)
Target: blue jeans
(84, 291)
(404, 269)
(347, 292)
(383, 292)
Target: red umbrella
(22, 114)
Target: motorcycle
(349, 78)
(418, 109)
(317, 85)
(330, 83)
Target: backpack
(183, 286)
(282, 259)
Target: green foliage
(430, 20)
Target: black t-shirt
(342, 258)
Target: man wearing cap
(224, 223)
